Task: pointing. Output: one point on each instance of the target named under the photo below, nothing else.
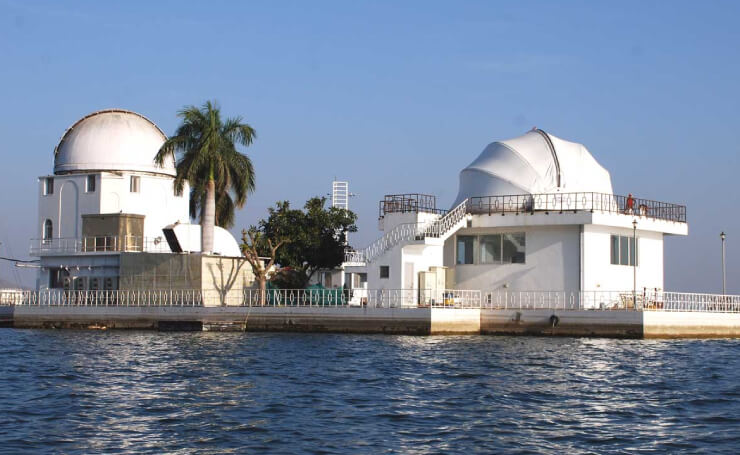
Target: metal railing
(411, 202)
(563, 202)
(388, 298)
(407, 232)
(645, 300)
(99, 244)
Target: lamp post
(634, 263)
(724, 289)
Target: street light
(634, 262)
(724, 289)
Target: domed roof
(534, 163)
(111, 140)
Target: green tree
(206, 156)
(317, 235)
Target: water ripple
(143, 392)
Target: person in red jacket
(629, 208)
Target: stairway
(441, 228)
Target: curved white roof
(224, 244)
(534, 163)
(111, 140)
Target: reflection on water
(145, 392)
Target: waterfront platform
(406, 321)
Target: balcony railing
(575, 202)
(411, 202)
(99, 244)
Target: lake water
(146, 392)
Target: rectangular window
(134, 184)
(615, 249)
(490, 249)
(624, 251)
(513, 248)
(465, 245)
(48, 186)
(385, 271)
(90, 184)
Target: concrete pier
(411, 321)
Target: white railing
(643, 300)
(556, 300)
(58, 297)
(407, 232)
(445, 224)
(99, 244)
(454, 298)
(684, 301)
(387, 298)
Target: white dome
(534, 163)
(111, 140)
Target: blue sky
(395, 97)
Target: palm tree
(224, 205)
(206, 156)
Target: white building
(533, 213)
(107, 202)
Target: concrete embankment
(612, 324)
(689, 324)
(415, 321)
(411, 321)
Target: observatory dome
(111, 140)
(534, 163)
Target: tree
(255, 246)
(317, 235)
(206, 156)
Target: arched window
(48, 231)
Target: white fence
(612, 300)
(388, 298)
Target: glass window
(490, 249)
(48, 186)
(385, 271)
(90, 184)
(624, 251)
(48, 230)
(615, 249)
(134, 184)
(465, 249)
(513, 248)
(624, 254)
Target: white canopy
(534, 163)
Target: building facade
(534, 213)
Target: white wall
(600, 274)
(155, 200)
(66, 205)
(552, 261)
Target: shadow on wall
(228, 278)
